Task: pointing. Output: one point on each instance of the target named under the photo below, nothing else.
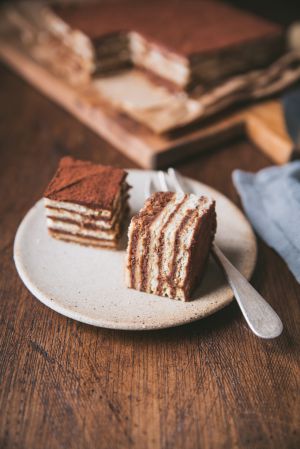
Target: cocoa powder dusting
(85, 183)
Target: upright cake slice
(169, 243)
(87, 203)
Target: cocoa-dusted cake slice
(87, 203)
(169, 242)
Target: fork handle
(260, 316)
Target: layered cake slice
(169, 242)
(87, 203)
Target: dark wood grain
(63, 384)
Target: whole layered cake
(186, 42)
(164, 63)
(169, 242)
(87, 203)
(189, 43)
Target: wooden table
(63, 384)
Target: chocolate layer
(86, 241)
(86, 237)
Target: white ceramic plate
(87, 284)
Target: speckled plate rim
(29, 281)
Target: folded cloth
(271, 200)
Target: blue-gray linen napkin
(271, 200)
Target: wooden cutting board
(263, 124)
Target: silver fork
(260, 316)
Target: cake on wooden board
(87, 203)
(169, 242)
(60, 61)
(186, 43)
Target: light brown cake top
(187, 27)
(85, 183)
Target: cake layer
(170, 234)
(77, 209)
(81, 219)
(112, 52)
(86, 234)
(86, 227)
(82, 230)
(104, 214)
(86, 241)
(102, 218)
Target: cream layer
(78, 208)
(164, 63)
(83, 240)
(62, 214)
(80, 230)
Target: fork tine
(175, 178)
(162, 181)
(149, 187)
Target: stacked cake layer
(169, 242)
(87, 203)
